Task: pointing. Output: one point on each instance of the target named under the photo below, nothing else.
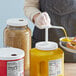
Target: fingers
(47, 17)
(42, 20)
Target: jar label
(15, 68)
(55, 67)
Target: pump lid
(46, 45)
(11, 53)
(17, 22)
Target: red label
(3, 68)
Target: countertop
(70, 69)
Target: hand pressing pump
(43, 21)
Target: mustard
(47, 60)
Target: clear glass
(19, 37)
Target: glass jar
(18, 35)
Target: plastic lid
(46, 45)
(17, 22)
(11, 53)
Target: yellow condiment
(65, 33)
(66, 39)
(47, 62)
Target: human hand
(42, 20)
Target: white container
(11, 62)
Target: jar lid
(46, 45)
(17, 22)
(11, 53)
